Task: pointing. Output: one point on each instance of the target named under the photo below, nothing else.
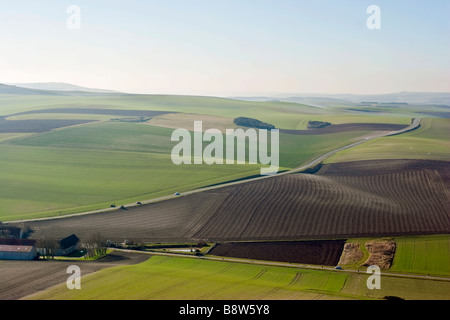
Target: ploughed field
(322, 252)
(342, 200)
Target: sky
(228, 47)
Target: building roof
(15, 248)
(69, 241)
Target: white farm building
(17, 252)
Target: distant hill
(60, 86)
(325, 100)
(8, 89)
(441, 98)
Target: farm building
(59, 248)
(68, 245)
(17, 249)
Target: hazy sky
(229, 47)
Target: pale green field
(423, 255)
(174, 278)
(43, 181)
(196, 279)
(429, 142)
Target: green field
(39, 181)
(191, 278)
(173, 278)
(423, 255)
(429, 142)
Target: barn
(14, 249)
(68, 245)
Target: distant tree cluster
(252, 123)
(132, 119)
(317, 124)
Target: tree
(48, 247)
(96, 245)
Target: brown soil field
(336, 128)
(322, 252)
(37, 125)
(343, 200)
(173, 220)
(20, 278)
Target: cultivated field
(368, 198)
(358, 200)
(429, 142)
(325, 252)
(423, 255)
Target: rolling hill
(59, 86)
